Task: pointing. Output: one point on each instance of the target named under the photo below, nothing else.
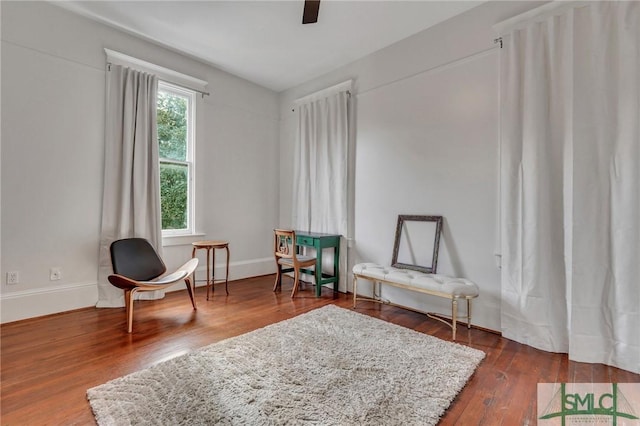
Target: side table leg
(213, 270)
(226, 278)
(208, 273)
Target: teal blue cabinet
(321, 242)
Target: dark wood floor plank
(48, 363)
(491, 384)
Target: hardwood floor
(48, 363)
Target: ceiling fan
(310, 13)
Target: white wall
(426, 141)
(53, 74)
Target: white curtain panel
(570, 182)
(131, 197)
(320, 196)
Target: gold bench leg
(451, 322)
(355, 291)
(454, 315)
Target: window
(175, 116)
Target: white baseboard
(237, 271)
(35, 303)
(38, 302)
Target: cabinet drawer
(304, 241)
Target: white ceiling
(265, 41)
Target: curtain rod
(473, 55)
(436, 67)
(184, 87)
(348, 96)
(345, 86)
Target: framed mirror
(417, 243)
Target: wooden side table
(210, 246)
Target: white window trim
(181, 240)
(191, 166)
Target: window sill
(181, 240)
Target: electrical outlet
(13, 277)
(55, 274)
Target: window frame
(191, 96)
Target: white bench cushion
(458, 287)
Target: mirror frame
(436, 243)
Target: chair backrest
(284, 243)
(136, 258)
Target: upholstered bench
(432, 284)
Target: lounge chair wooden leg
(130, 296)
(187, 281)
(126, 301)
(126, 305)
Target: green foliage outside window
(172, 140)
(173, 195)
(172, 126)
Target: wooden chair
(137, 267)
(287, 259)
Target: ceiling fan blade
(310, 14)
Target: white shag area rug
(330, 366)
